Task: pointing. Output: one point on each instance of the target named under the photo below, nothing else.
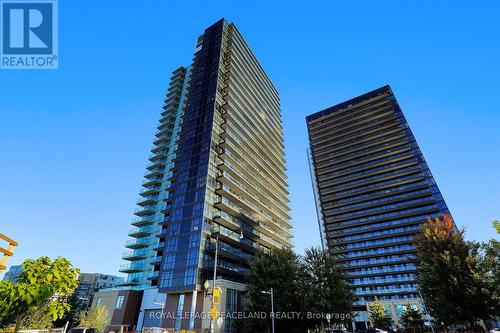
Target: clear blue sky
(74, 142)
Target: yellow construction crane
(6, 252)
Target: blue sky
(74, 142)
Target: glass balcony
(248, 206)
(156, 260)
(136, 255)
(378, 261)
(382, 280)
(159, 246)
(145, 220)
(150, 190)
(132, 268)
(374, 252)
(147, 200)
(382, 270)
(152, 181)
(358, 237)
(164, 131)
(392, 240)
(153, 275)
(142, 231)
(158, 155)
(163, 138)
(155, 164)
(385, 291)
(138, 243)
(352, 207)
(146, 210)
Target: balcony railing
(146, 210)
(135, 255)
(138, 243)
(143, 231)
(156, 260)
(150, 190)
(132, 268)
(147, 200)
(145, 220)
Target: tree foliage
(324, 287)
(379, 316)
(97, 317)
(490, 264)
(279, 270)
(38, 318)
(412, 318)
(77, 306)
(43, 285)
(309, 284)
(496, 225)
(450, 278)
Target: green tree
(490, 263)
(77, 306)
(496, 225)
(313, 283)
(324, 288)
(43, 284)
(453, 285)
(379, 316)
(412, 318)
(97, 317)
(279, 270)
(38, 318)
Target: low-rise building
(13, 274)
(123, 306)
(90, 283)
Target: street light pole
(212, 325)
(425, 309)
(421, 298)
(271, 292)
(272, 306)
(162, 311)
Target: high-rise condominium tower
(157, 181)
(373, 190)
(216, 174)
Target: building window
(233, 300)
(119, 302)
(180, 308)
(190, 276)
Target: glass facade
(233, 305)
(143, 267)
(373, 190)
(216, 171)
(228, 175)
(183, 224)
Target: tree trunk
(18, 323)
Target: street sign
(217, 295)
